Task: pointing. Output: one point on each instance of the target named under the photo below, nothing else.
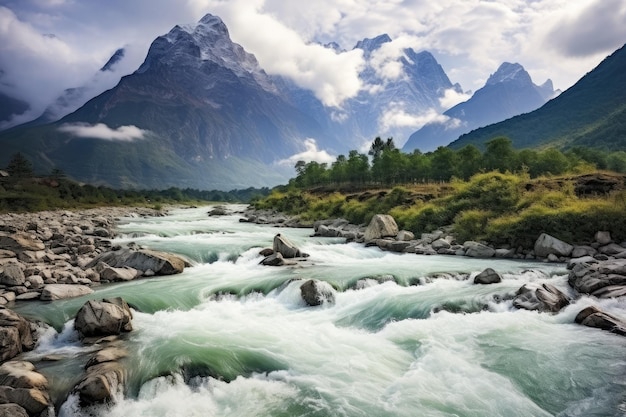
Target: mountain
(199, 112)
(11, 106)
(591, 113)
(507, 93)
(390, 106)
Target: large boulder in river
(101, 382)
(546, 245)
(20, 384)
(53, 292)
(15, 334)
(315, 293)
(381, 226)
(103, 318)
(546, 298)
(488, 276)
(286, 247)
(593, 317)
(161, 263)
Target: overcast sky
(47, 46)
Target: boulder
(593, 278)
(286, 247)
(32, 400)
(545, 298)
(603, 238)
(381, 226)
(12, 410)
(53, 292)
(266, 252)
(275, 259)
(315, 293)
(488, 276)
(101, 383)
(593, 317)
(582, 251)
(118, 274)
(109, 354)
(21, 241)
(15, 334)
(161, 263)
(611, 249)
(103, 318)
(7, 254)
(22, 374)
(478, 250)
(441, 244)
(405, 236)
(12, 275)
(546, 245)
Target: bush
(471, 224)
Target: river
(407, 335)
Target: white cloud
(104, 132)
(451, 98)
(312, 153)
(395, 116)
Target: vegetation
(503, 196)
(21, 191)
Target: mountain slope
(507, 93)
(591, 113)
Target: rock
(286, 247)
(109, 354)
(603, 238)
(32, 400)
(22, 374)
(440, 244)
(381, 226)
(546, 245)
(161, 263)
(101, 383)
(488, 276)
(101, 232)
(396, 246)
(610, 291)
(32, 295)
(53, 292)
(217, 211)
(32, 257)
(593, 317)
(35, 281)
(405, 236)
(266, 252)
(7, 254)
(12, 275)
(546, 298)
(12, 410)
(15, 334)
(582, 260)
(581, 251)
(118, 274)
(275, 259)
(315, 293)
(21, 241)
(611, 249)
(505, 253)
(478, 250)
(103, 318)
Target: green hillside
(591, 113)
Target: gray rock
(12, 410)
(266, 252)
(118, 274)
(593, 317)
(478, 250)
(580, 251)
(546, 298)
(161, 263)
(108, 354)
(15, 334)
(381, 226)
(103, 318)
(36, 281)
(12, 275)
(286, 247)
(611, 249)
(315, 293)
(31, 295)
(546, 245)
(275, 259)
(21, 241)
(585, 260)
(53, 292)
(505, 253)
(405, 236)
(32, 400)
(488, 276)
(440, 244)
(101, 383)
(603, 238)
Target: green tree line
(386, 165)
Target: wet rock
(217, 211)
(381, 226)
(315, 293)
(594, 317)
(546, 245)
(545, 298)
(488, 276)
(12, 275)
(118, 274)
(275, 259)
(103, 318)
(108, 354)
(101, 383)
(286, 247)
(161, 263)
(591, 278)
(32, 400)
(478, 250)
(22, 374)
(266, 252)
(53, 292)
(15, 334)
(12, 410)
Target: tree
(444, 162)
(358, 167)
(19, 166)
(470, 161)
(500, 155)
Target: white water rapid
(407, 335)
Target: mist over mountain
(508, 92)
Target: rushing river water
(230, 337)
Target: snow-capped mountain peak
(509, 72)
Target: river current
(407, 335)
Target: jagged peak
(509, 72)
(372, 44)
(115, 58)
(334, 46)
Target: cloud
(395, 116)
(103, 132)
(451, 98)
(312, 153)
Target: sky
(47, 46)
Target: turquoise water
(230, 337)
